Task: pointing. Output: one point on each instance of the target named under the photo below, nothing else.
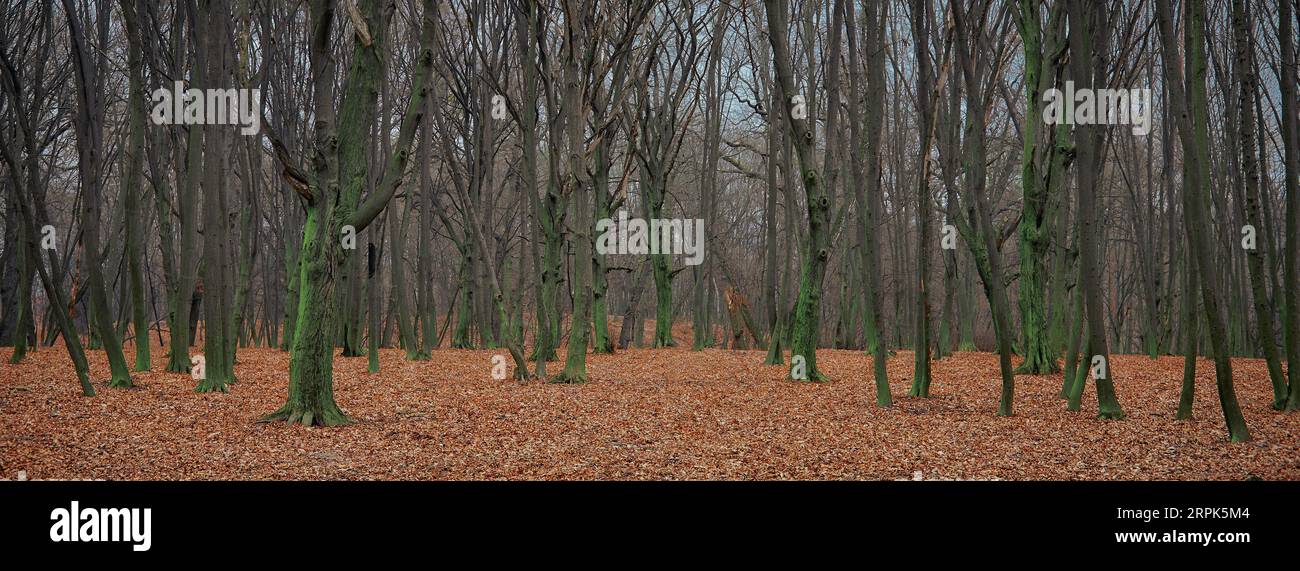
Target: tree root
(208, 386)
(297, 415)
(1030, 367)
(567, 379)
(548, 356)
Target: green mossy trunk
(460, 337)
(654, 192)
(292, 271)
(311, 363)
(1037, 215)
(806, 323)
(663, 336)
(334, 195)
(1072, 345)
(1074, 402)
(807, 320)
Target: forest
(640, 239)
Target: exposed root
(1042, 366)
(567, 379)
(548, 355)
(294, 415)
(121, 383)
(208, 386)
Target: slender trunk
(1291, 149)
(1245, 79)
(1187, 395)
(1087, 60)
(217, 365)
(575, 39)
(806, 324)
(865, 113)
(131, 184)
(926, 97)
(1191, 111)
(89, 131)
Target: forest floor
(646, 414)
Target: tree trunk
(334, 195)
(1191, 112)
(1245, 79)
(89, 131)
(866, 179)
(131, 181)
(1038, 214)
(575, 39)
(1086, 63)
(926, 96)
(1291, 157)
(218, 365)
(807, 317)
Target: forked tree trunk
(334, 196)
(807, 317)
(89, 131)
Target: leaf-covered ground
(646, 414)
